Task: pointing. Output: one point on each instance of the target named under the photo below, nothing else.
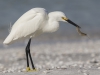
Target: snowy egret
(33, 23)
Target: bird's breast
(51, 27)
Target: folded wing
(25, 26)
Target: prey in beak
(77, 26)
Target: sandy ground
(59, 58)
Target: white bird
(34, 22)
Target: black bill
(69, 21)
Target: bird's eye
(64, 18)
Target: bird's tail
(8, 40)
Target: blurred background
(85, 13)
(65, 48)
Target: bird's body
(34, 22)
(31, 24)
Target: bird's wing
(25, 26)
(28, 28)
(24, 18)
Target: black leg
(27, 59)
(31, 61)
(28, 53)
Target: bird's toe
(30, 70)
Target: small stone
(74, 65)
(85, 73)
(93, 61)
(4, 71)
(63, 67)
(80, 71)
(98, 67)
(92, 55)
(89, 66)
(19, 70)
(46, 71)
(61, 62)
(23, 70)
(81, 66)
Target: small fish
(80, 32)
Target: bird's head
(60, 16)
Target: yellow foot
(30, 70)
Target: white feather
(26, 25)
(33, 23)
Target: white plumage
(35, 22)
(27, 24)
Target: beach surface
(56, 58)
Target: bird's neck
(52, 25)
